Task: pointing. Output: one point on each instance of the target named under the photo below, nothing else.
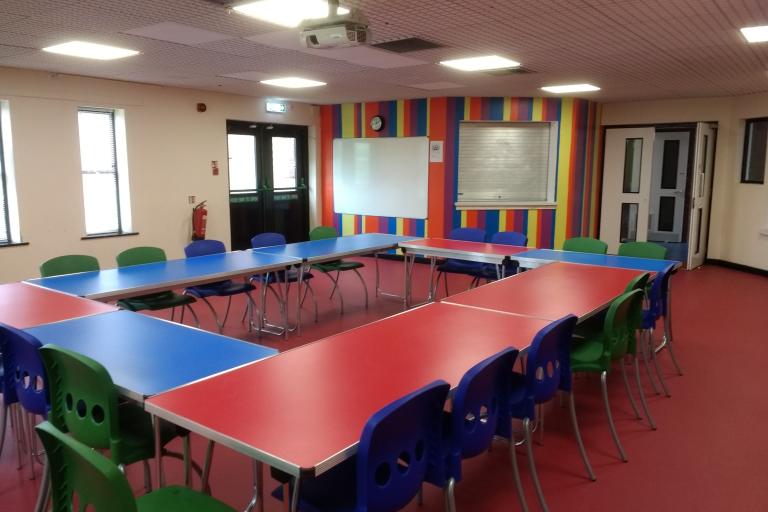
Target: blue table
(145, 355)
(538, 257)
(136, 280)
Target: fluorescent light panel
(565, 89)
(288, 13)
(90, 50)
(484, 63)
(755, 34)
(293, 82)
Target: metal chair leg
(204, 487)
(642, 394)
(365, 287)
(644, 353)
(215, 315)
(656, 364)
(186, 446)
(445, 284)
(147, 476)
(335, 285)
(226, 313)
(314, 298)
(420, 496)
(450, 499)
(628, 390)
(30, 430)
(577, 435)
(191, 312)
(669, 344)
(45, 488)
(532, 464)
(3, 424)
(614, 434)
(18, 430)
(516, 470)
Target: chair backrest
(475, 408)
(139, 256)
(548, 363)
(83, 399)
(323, 232)
(509, 238)
(394, 449)
(621, 323)
(585, 244)
(267, 240)
(204, 247)
(467, 234)
(68, 264)
(638, 283)
(23, 369)
(82, 478)
(643, 250)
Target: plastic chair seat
(179, 499)
(335, 490)
(281, 277)
(489, 270)
(587, 356)
(219, 289)
(137, 434)
(156, 301)
(461, 267)
(338, 265)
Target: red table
(25, 305)
(303, 410)
(481, 252)
(550, 292)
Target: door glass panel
(667, 213)
(284, 162)
(670, 158)
(628, 222)
(242, 162)
(698, 227)
(633, 154)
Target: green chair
(596, 352)
(643, 250)
(100, 486)
(585, 244)
(69, 264)
(153, 301)
(84, 403)
(338, 266)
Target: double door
(268, 172)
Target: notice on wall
(436, 151)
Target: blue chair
(471, 424)
(655, 310)
(391, 462)
(510, 268)
(453, 266)
(283, 277)
(226, 288)
(666, 311)
(547, 370)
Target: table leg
(159, 479)
(406, 284)
(431, 294)
(376, 259)
(295, 494)
(257, 501)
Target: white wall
(739, 211)
(170, 149)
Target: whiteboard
(385, 177)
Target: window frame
(745, 152)
(118, 160)
(4, 191)
(552, 167)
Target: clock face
(377, 123)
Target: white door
(670, 167)
(701, 192)
(626, 185)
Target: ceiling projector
(335, 31)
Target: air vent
(510, 71)
(411, 44)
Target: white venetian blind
(98, 158)
(505, 163)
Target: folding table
(432, 248)
(537, 257)
(307, 428)
(24, 305)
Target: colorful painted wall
(578, 168)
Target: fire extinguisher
(199, 218)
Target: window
(9, 211)
(507, 164)
(104, 169)
(755, 141)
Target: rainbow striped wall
(578, 168)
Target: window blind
(5, 236)
(505, 163)
(98, 157)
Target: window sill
(108, 235)
(13, 244)
(500, 205)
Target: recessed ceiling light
(485, 63)
(755, 34)
(90, 50)
(565, 89)
(288, 13)
(293, 82)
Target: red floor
(709, 453)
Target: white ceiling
(633, 49)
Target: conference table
(308, 428)
(433, 248)
(534, 258)
(24, 305)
